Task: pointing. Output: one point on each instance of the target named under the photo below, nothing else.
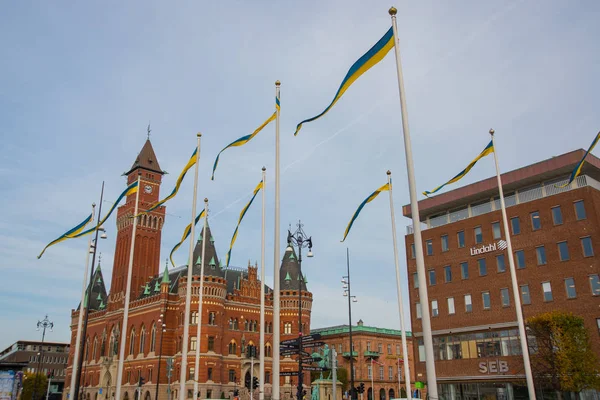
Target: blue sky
(80, 81)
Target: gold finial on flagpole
(389, 172)
(492, 132)
(206, 199)
(277, 83)
(198, 134)
(393, 11)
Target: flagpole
(188, 291)
(127, 294)
(201, 296)
(398, 286)
(276, 294)
(515, 284)
(80, 318)
(261, 370)
(372, 385)
(432, 388)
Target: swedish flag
(368, 60)
(186, 234)
(369, 199)
(579, 165)
(69, 234)
(489, 149)
(242, 213)
(191, 162)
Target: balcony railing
(520, 196)
(347, 354)
(373, 354)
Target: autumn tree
(31, 382)
(561, 354)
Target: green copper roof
(305, 279)
(102, 306)
(85, 299)
(212, 262)
(165, 278)
(212, 239)
(291, 257)
(99, 280)
(157, 286)
(147, 289)
(199, 260)
(343, 329)
(99, 297)
(287, 277)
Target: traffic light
(236, 393)
(255, 383)
(251, 351)
(361, 388)
(141, 381)
(247, 381)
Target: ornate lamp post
(163, 328)
(43, 324)
(351, 299)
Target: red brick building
(230, 313)
(555, 233)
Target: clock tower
(146, 256)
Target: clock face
(148, 189)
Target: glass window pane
(563, 251)
(500, 263)
(478, 235)
(570, 288)
(412, 250)
(451, 309)
(580, 210)
(415, 280)
(541, 255)
(505, 297)
(482, 267)
(486, 300)
(515, 225)
(464, 270)
(520, 258)
(429, 246)
(586, 243)
(525, 297)
(448, 273)
(547, 289)
(496, 230)
(595, 285)
(535, 221)
(434, 308)
(461, 238)
(444, 242)
(432, 280)
(419, 313)
(468, 303)
(557, 215)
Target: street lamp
(163, 328)
(300, 240)
(43, 324)
(351, 299)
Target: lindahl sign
(288, 373)
(305, 339)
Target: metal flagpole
(399, 287)
(80, 319)
(408, 394)
(276, 294)
(334, 373)
(261, 351)
(200, 297)
(127, 294)
(188, 292)
(432, 388)
(372, 384)
(515, 284)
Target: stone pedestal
(326, 389)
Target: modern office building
(375, 350)
(555, 235)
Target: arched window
(194, 318)
(233, 347)
(94, 347)
(268, 350)
(254, 326)
(287, 328)
(132, 341)
(153, 338)
(87, 349)
(246, 325)
(230, 323)
(235, 324)
(142, 339)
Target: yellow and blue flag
(369, 199)
(186, 234)
(579, 165)
(368, 60)
(191, 162)
(242, 213)
(131, 189)
(244, 139)
(69, 234)
(489, 149)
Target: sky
(79, 83)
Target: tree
(31, 380)
(561, 354)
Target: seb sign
(493, 367)
(486, 248)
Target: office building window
(460, 236)
(520, 258)
(191, 372)
(419, 313)
(579, 210)
(482, 267)
(212, 318)
(415, 280)
(194, 317)
(515, 224)
(448, 273)
(267, 376)
(368, 346)
(468, 303)
(210, 372)
(434, 308)
(451, 309)
(464, 270)
(381, 376)
(525, 297)
(595, 285)
(389, 349)
(193, 343)
(232, 375)
(287, 328)
(505, 297)
(421, 351)
(369, 371)
(429, 247)
(485, 296)
(557, 215)
(379, 348)
(570, 288)
(536, 223)
(547, 289)
(211, 343)
(445, 243)
(478, 234)
(390, 373)
(412, 250)
(500, 263)
(432, 280)
(541, 255)
(563, 251)
(496, 230)
(586, 244)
